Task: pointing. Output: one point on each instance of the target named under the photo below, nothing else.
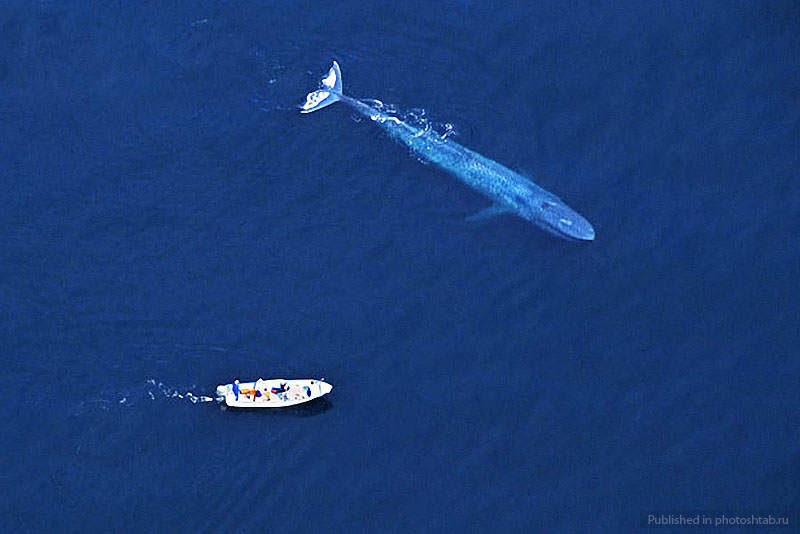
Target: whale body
(510, 191)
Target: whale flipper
(328, 94)
(487, 213)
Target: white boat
(272, 393)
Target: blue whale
(510, 191)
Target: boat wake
(150, 391)
(171, 393)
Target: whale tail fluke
(329, 93)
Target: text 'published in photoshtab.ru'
(710, 519)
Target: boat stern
(222, 391)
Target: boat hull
(274, 393)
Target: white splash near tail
(329, 93)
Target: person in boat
(236, 389)
(281, 391)
(261, 389)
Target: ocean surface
(170, 222)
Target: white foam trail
(172, 393)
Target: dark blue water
(170, 222)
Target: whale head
(559, 219)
